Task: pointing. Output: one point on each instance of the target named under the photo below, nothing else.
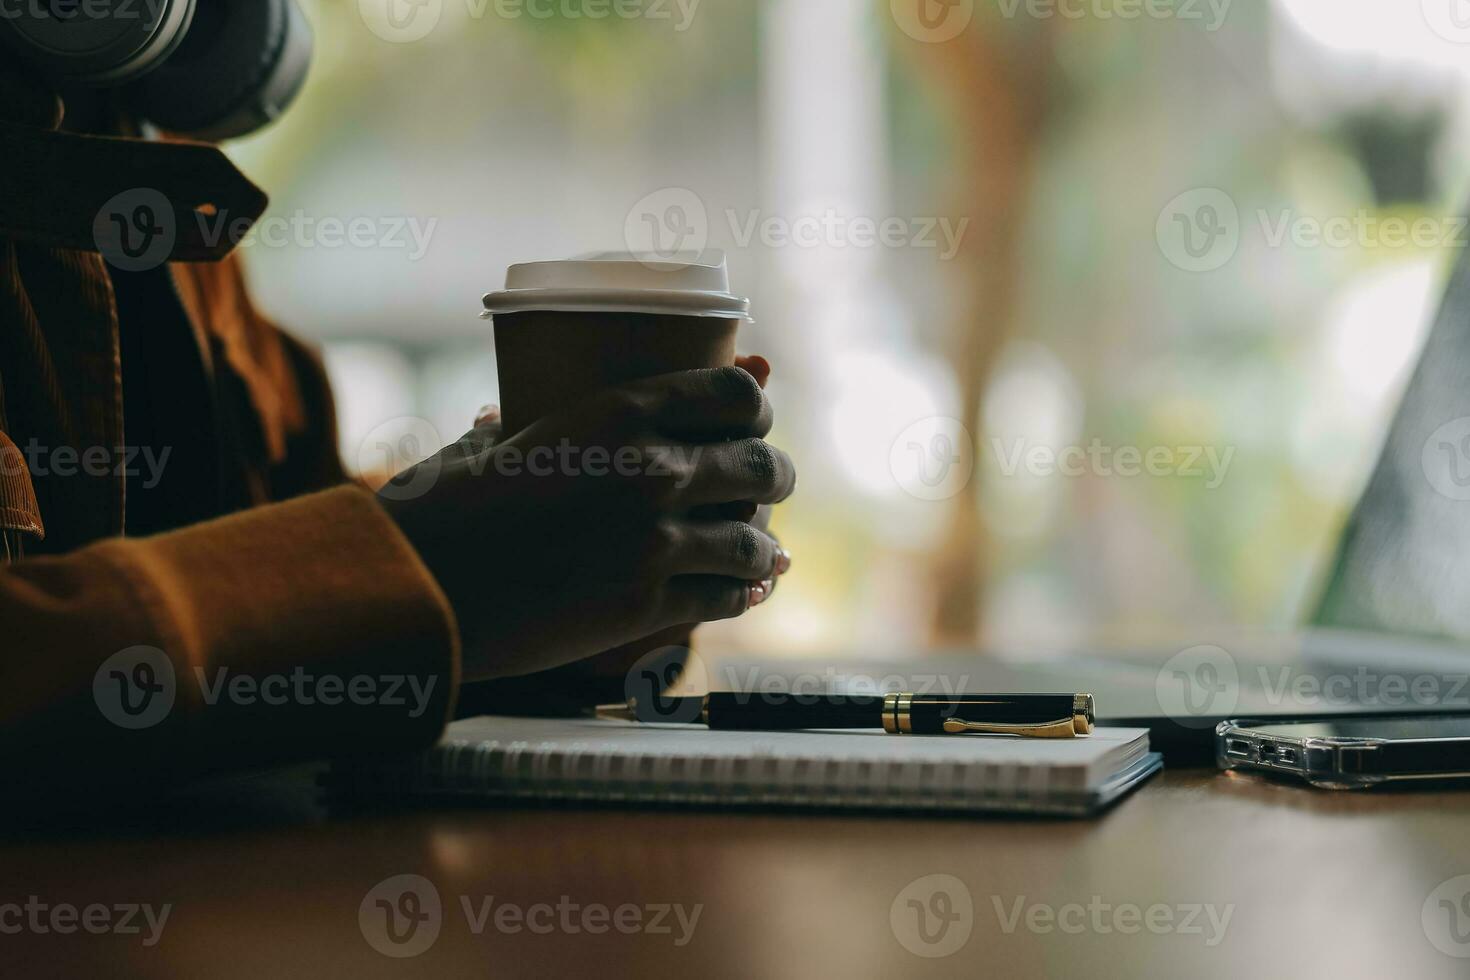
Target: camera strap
(136, 201)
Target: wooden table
(263, 883)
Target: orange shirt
(301, 624)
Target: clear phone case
(1329, 762)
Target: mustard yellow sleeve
(294, 631)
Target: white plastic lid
(622, 282)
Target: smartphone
(1349, 753)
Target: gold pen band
(1082, 713)
(898, 714)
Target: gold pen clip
(1079, 724)
(1061, 728)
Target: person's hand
(759, 515)
(573, 536)
(760, 369)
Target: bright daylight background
(1060, 138)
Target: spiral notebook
(594, 761)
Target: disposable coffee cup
(568, 329)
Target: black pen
(1025, 715)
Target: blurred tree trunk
(992, 82)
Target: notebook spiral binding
(522, 770)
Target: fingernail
(783, 561)
(770, 586)
(757, 594)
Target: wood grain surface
(1197, 874)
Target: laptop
(1179, 690)
(1390, 635)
